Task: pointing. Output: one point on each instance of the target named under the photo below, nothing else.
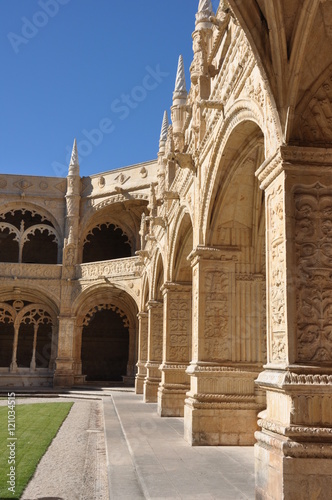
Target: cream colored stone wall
(228, 294)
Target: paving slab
(162, 465)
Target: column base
(175, 384)
(64, 373)
(220, 424)
(292, 470)
(151, 383)
(140, 377)
(222, 406)
(63, 380)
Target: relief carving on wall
(313, 243)
(277, 271)
(157, 326)
(178, 326)
(216, 328)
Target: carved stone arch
(104, 306)
(35, 314)
(7, 313)
(106, 312)
(33, 230)
(36, 209)
(97, 294)
(157, 276)
(145, 291)
(237, 118)
(33, 296)
(179, 246)
(112, 200)
(231, 189)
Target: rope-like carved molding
(249, 277)
(224, 369)
(232, 398)
(101, 307)
(294, 448)
(301, 379)
(296, 430)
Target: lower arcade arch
(105, 344)
(105, 347)
(27, 336)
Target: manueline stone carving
(313, 240)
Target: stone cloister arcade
(205, 274)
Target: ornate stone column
(294, 447)
(221, 407)
(175, 381)
(143, 322)
(64, 372)
(13, 365)
(130, 375)
(33, 359)
(155, 347)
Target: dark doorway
(105, 347)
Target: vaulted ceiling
(292, 40)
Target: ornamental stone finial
(180, 91)
(205, 11)
(164, 128)
(74, 166)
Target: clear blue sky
(99, 70)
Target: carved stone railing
(41, 271)
(126, 268)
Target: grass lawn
(35, 427)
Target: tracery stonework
(313, 240)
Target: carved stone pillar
(143, 322)
(155, 348)
(79, 378)
(64, 372)
(131, 355)
(54, 346)
(294, 447)
(176, 350)
(221, 407)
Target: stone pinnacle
(180, 90)
(164, 128)
(74, 163)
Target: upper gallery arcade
(205, 274)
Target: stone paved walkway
(164, 464)
(145, 456)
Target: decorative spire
(164, 127)
(205, 11)
(180, 91)
(74, 166)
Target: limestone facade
(212, 262)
